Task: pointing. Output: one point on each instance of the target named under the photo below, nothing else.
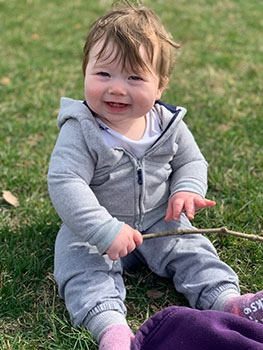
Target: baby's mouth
(117, 104)
(116, 107)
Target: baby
(125, 164)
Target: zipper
(139, 165)
(139, 215)
(139, 173)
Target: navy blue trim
(168, 126)
(85, 103)
(171, 108)
(172, 120)
(100, 126)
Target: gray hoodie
(96, 188)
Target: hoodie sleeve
(189, 165)
(70, 172)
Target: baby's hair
(129, 27)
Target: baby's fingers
(177, 206)
(201, 203)
(190, 209)
(210, 203)
(169, 212)
(138, 239)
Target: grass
(218, 78)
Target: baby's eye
(103, 74)
(135, 78)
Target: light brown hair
(129, 27)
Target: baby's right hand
(126, 241)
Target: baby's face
(115, 94)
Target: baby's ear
(162, 87)
(165, 82)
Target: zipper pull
(139, 174)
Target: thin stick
(221, 230)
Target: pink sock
(116, 337)
(249, 306)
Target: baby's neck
(136, 130)
(133, 130)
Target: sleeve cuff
(190, 186)
(106, 235)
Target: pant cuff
(209, 302)
(99, 322)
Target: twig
(221, 230)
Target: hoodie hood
(70, 108)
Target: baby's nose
(117, 88)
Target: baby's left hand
(186, 201)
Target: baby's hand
(186, 201)
(126, 241)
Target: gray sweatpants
(92, 284)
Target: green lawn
(218, 78)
